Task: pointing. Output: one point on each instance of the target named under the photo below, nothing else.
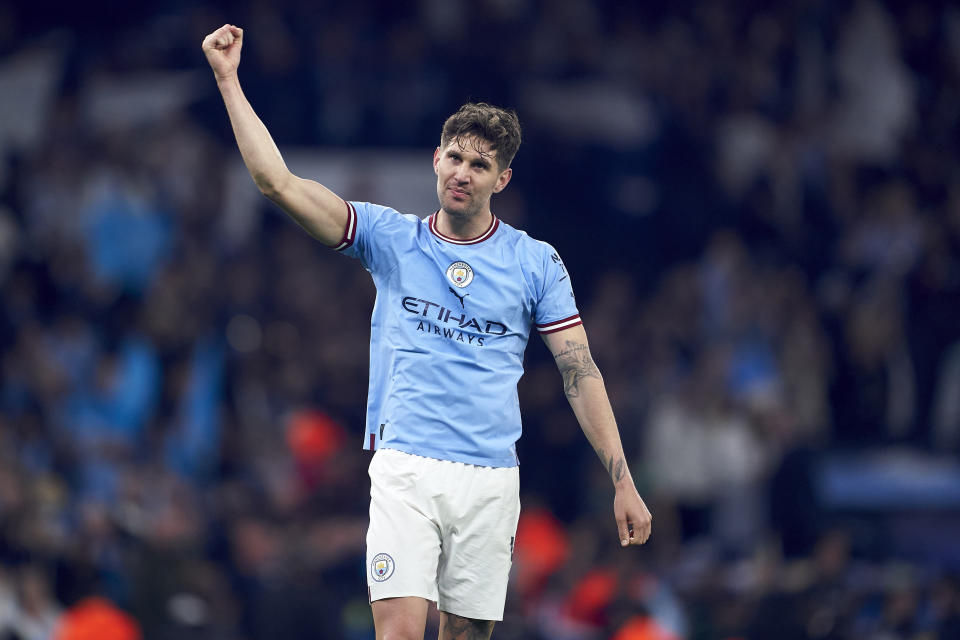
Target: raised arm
(583, 385)
(317, 209)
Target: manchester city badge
(381, 567)
(460, 274)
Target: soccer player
(457, 296)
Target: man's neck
(464, 227)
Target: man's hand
(633, 517)
(222, 48)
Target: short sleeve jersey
(450, 324)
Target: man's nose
(462, 174)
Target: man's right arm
(314, 207)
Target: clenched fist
(222, 48)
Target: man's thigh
(454, 627)
(400, 617)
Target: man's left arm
(584, 388)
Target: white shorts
(442, 531)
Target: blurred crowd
(760, 206)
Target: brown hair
(499, 127)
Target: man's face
(467, 175)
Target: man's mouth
(459, 193)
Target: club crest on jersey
(460, 274)
(381, 567)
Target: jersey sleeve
(556, 306)
(373, 234)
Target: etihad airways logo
(447, 323)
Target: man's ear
(436, 161)
(503, 180)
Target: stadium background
(760, 206)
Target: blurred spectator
(97, 618)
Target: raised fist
(222, 48)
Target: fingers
(625, 530)
(641, 533)
(633, 518)
(223, 37)
(634, 529)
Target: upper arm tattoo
(575, 364)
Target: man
(457, 294)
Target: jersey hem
(440, 455)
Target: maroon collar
(494, 223)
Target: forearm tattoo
(575, 364)
(614, 467)
(459, 628)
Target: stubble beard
(459, 211)
(460, 214)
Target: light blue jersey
(449, 328)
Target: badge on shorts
(381, 567)
(460, 274)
